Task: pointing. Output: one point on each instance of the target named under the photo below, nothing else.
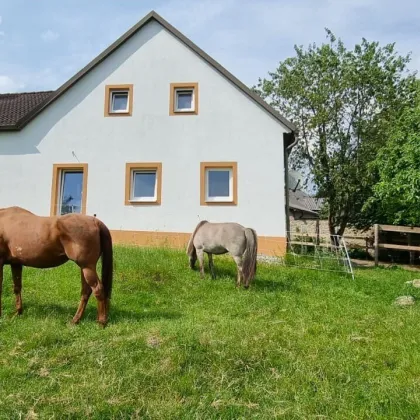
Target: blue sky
(45, 42)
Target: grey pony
(221, 238)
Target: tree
(342, 101)
(396, 198)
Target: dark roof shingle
(14, 106)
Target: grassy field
(297, 344)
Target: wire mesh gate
(316, 252)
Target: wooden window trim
(129, 167)
(172, 101)
(115, 88)
(210, 165)
(57, 168)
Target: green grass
(297, 344)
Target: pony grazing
(44, 242)
(220, 238)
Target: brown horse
(44, 242)
(220, 238)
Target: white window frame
(133, 180)
(182, 90)
(111, 101)
(62, 172)
(217, 198)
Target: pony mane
(190, 246)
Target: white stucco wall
(229, 127)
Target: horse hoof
(102, 323)
(19, 311)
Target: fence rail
(402, 229)
(323, 244)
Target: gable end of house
(16, 113)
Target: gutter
(9, 128)
(290, 140)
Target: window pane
(218, 182)
(71, 192)
(119, 101)
(184, 100)
(144, 184)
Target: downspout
(290, 140)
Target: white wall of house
(229, 127)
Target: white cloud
(49, 35)
(7, 84)
(1, 19)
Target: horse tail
(249, 267)
(107, 259)
(190, 247)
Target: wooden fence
(375, 243)
(410, 231)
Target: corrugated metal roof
(302, 201)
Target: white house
(151, 136)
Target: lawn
(297, 344)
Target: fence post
(376, 228)
(317, 231)
(410, 242)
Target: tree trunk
(342, 227)
(331, 228)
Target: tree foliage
(396, 198)
(342, 101)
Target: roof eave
(9, 128)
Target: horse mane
(190, 246)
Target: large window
(143, 183)
(183, 99)
(218, 183)
(69, 189)
(118, 100)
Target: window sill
(118, 114)
(184, 113)
(219, 203)
(140, 202)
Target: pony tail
(190, 246)
(249, 267)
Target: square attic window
(184, 99)
(118, 100)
